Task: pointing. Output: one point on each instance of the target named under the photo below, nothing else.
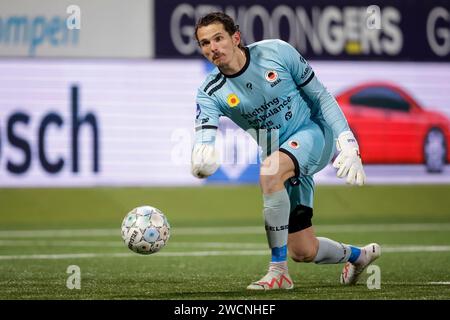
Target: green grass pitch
(217, 245)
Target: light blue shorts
(311, 149)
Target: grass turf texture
(218, 244)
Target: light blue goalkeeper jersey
(275, 90)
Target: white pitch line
(121, 255)
(415, 248)
(61, 233)
(385, 249)
(206, 245)
(439, 283)
(48, 256)
(394, 227)
(59, 243)
(119, 243)
(359, 228)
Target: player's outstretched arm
(204, 160)
(348, 162)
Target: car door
(403, 130)
(368, 121)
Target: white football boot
(274, 279)
(351, 271)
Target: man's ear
(237, 37)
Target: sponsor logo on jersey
(306, 72)
(294, 144)
(233, 100)
(288, 115)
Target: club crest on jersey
(272, 77)
(233, 100)
(293, 144)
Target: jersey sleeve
(299, 68)
(324, 102)
(307, 82)
(206, 119)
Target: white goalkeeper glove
(204, 160)
(348, 162)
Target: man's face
(217, 45)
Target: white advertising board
(76, 28)
(130, 123)
(79, 123)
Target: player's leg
(299, 152)
(274, 171)
(303, 245)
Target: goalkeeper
(269, 89)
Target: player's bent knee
(269, 184)
(303, 255)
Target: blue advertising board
(414, 30)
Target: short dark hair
(217, 17)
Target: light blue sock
(276, 216)
(331, 251)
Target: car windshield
(381, 98)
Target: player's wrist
(346, 141)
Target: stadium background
(97, 120)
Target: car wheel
(435, 150)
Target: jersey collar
(247, 62)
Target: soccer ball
(145, 230)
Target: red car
(393, 128)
